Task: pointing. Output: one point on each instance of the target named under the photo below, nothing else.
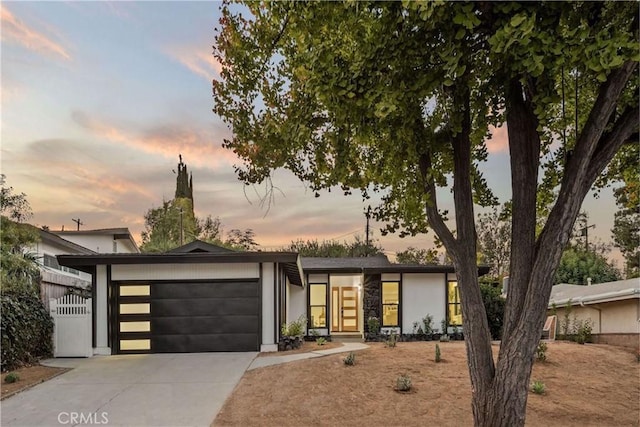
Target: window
(453, 302)
(318, 305)
(51, 262)
(390, 303)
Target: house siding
(422, 294)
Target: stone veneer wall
(372, 290)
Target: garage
(197, 298)
(186, 317)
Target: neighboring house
(613, 309)
(202, 297)
(58, 280)
(104, 241)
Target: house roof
(87, 262)
(52, 239)
(200, 246)
(373, 265)
(565, 294)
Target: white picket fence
(72, 326)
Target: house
(613, 308)
(202, 297)
(58, 280)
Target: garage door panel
(205, 290)
(202, 343)
(205, 325)
(204, 307)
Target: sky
(98, 99)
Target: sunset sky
(99, 98)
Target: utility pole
(584, 231)
(78, 222)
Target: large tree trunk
(499, 393)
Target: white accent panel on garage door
(185, 271)
(422, 294)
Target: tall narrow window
(318, 305)
(453, 300)
(390, 303)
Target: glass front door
(344, 302)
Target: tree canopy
(334, 249)
(397, 98)
(577, 265)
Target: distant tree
(19, 272)
(494, 241)
(334, 249)
(577, 264)
(241, 239)
(418, 256)
(626, 236)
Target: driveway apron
(132, 390)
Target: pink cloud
(499, 142)
(197, 59)
(16, 30)
(197, 147)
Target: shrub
(541, 352)
(438, 359)
(445, 329)
(27, 330)
(321, 341)
(295, 328)
(538, 387)
(373, 325)
(350, 359)
(444, 338)
(11, 377)
(391, 340)
(583, 331)
(494, 304)
(427, 322)
(403, 383)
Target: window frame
(383, 304)
(456, 303)
(325, 306)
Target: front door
(345, 306)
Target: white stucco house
(58, 280)
(613, 309)
(202, 297)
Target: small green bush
(295, 328)
(541, 352)
(350, 359)
(403, 383)
(427, 322)
(438, 355)
(391, 340)
(373, 325)
(321, 341)
(538, 387)
(583, 331)
(11, 377)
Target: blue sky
(99, 98)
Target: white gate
(72, 326)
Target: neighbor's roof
(118, 233)
(594, 294)
(53, 239)
(200, 246)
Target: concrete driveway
(131, 390)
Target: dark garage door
(204, 316)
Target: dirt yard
(586, 385)
(29, 376)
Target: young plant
(538, 387)
(443, 324)
(403, 383)
(321, 341)
(373, 325)
(427, 322)
(392, 340)
(11, 377)
(541, 352)
(350, 359)
(438, 355)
